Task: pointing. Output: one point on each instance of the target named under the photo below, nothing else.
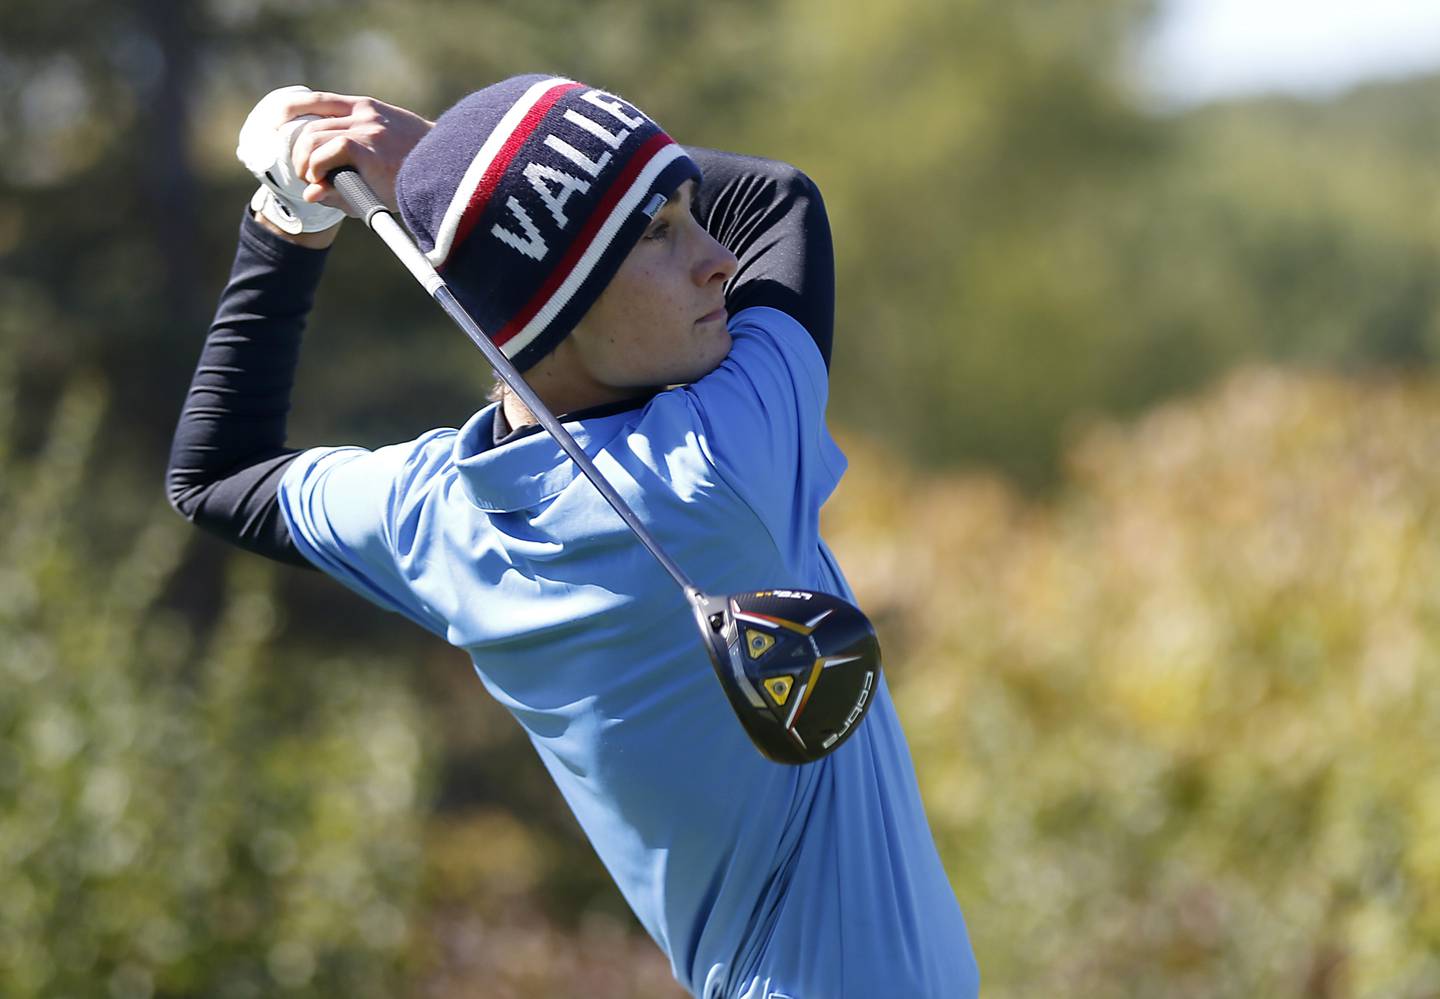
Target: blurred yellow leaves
(1177, 726)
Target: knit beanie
(528, 195)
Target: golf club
(798, 667)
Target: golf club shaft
(375, 215)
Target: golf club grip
(352, 188)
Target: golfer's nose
(713, 262)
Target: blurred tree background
(1137, 403)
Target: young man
(676, 306)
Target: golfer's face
(661, 320)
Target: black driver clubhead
(800, 668)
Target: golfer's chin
(709, 345)
(716, 343)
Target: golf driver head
(800, 668)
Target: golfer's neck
(561, 392)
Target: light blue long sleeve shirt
(757, 879)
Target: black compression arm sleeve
(771, 216)
(229, 450)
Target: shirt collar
(504, 470)
(504, 433)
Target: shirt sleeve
(763, 418)
(366, 517)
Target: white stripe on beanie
(624, 208)
(507, 125)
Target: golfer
(675, 307)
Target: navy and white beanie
(528, 195)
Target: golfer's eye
(658, 230)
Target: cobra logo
(855, 712)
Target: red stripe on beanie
(584, 237)
(491, 178)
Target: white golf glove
(266, 140)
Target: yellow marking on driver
(778, 622)
(757, 643)
(809, 690)
(779, 688)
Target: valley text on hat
(529, 194)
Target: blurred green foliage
(184, 811)
(1173, 719)
(1019, 239)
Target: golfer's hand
(361, 132)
